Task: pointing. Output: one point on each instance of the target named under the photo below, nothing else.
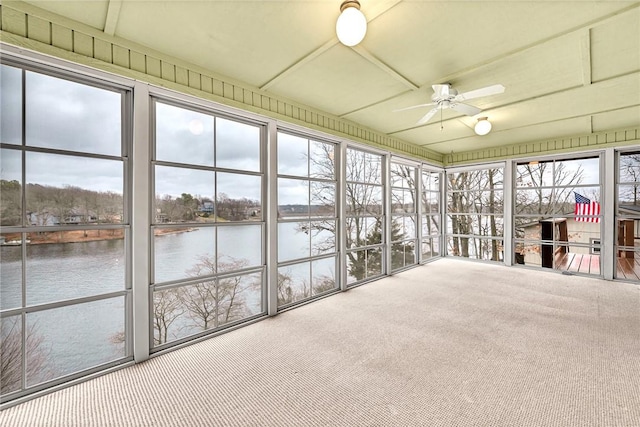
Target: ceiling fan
(444, 96)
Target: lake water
(80, 336)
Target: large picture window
(64, 247)
(404, 215)
(557, 214)
(307, 218)
(208, 224)
(431, 216)
(365, 219)
(627, 244)
(475, 214)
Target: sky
(65, 115)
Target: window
(208, 226)
(627, 244)
(307, 218)
(557, 217)
(66, 289)
(404, 231)
(431, 219)
(475, 218)
(365, 219)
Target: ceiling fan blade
(413, 106)
(441, 91)
(469, 110)
(485, 91)
(427, 116)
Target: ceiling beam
(113, 13)
(372, 14)
(384, 67)
(585, 53)
(295, 66)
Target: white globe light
(483, 126)
(351, 26)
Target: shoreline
(80, 236)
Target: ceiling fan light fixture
(483, 126)
(352, 24)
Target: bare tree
(212, 303)
(11, 352)
(167, 308)
(630, 173)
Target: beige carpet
(452, 343)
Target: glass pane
(237, 145)
(239, 247)
(72, 264)
(363, 231)
(183, 136)
(629, 167)
(183, 252)
(10, 187)
(356, 266)
(72, 116)
(430, 248)
(579, 171)
(398, 255)
(323, 237)
(239, 197)
(534, 174)
(458, 246)
(323, 199)
(373, 168)
(293, 283)
(323, 276)
(322, 160)
(10, 270)
(583, 202)
(627, 265)
(580, 232)
(629, 199)
(74, 338)
(534, 201)
(528, 254)
(80, 191)
(293, 198)
(293, 156)
(374, 262)
(355, 163)
(431, 181)
(430, 202)
(294, 240)
(363, 167)
(191, 309)
(179, 192)
(484, 249)
(171, 317)
(11, 339)
(362, 199)
(239, 297)
(402, 201)
(10, 105)
(403, 176)
(430, 225)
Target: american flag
(585, 206)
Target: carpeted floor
(451, 343)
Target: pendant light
(352, 24)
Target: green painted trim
(26, 26)
(595, 141)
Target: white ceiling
(569, 67)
